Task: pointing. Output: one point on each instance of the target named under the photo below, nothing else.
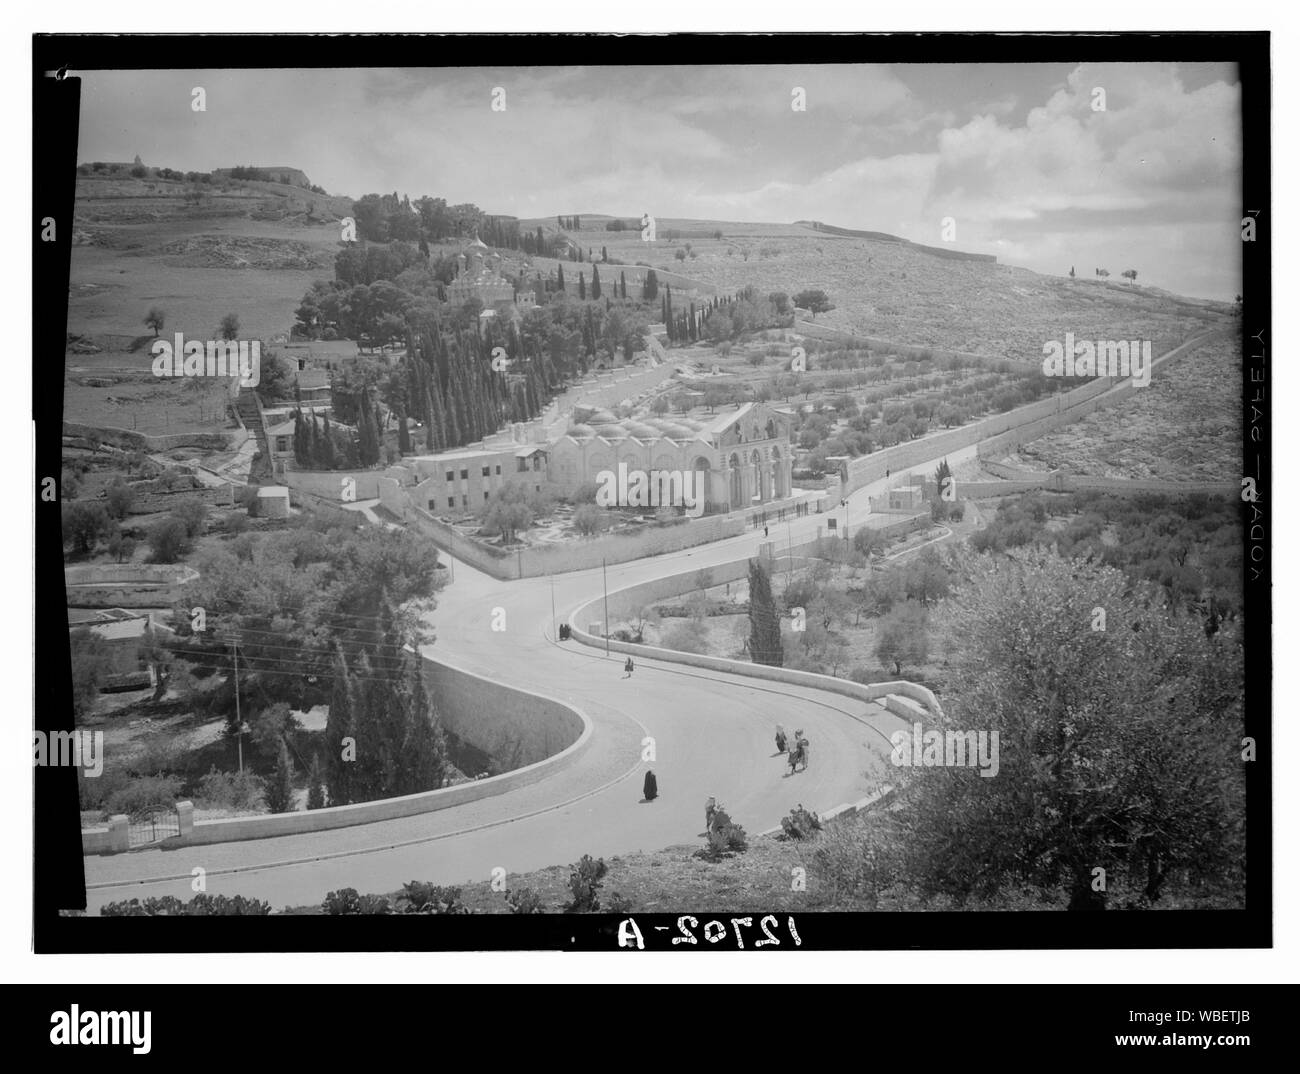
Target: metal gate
(153, 828)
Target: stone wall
(130, 440)
(630, 598)
(515, 728)
(125, 585)
(486, 710)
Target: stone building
(478, 275)
(741, 455)
(457, 482)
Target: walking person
(629, 667)
(650, 790)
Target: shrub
(584, 881)
(525, 901)
(853, 861)
(143, 795)
(348, 901)
(800, 824)
(203, 905)
(589, 519)
(725, 838)
(194, 515)
(231, 790)
(688, 637)
(419, 897)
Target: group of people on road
(797, 747)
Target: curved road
(712, 736)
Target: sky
(1017, 155)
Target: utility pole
(554, 625)
(239, 720)
(605, 582)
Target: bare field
(1184, 426)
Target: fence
(153, 828)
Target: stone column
(185, 813)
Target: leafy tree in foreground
(1119, 752)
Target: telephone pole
(234, 638)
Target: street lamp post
(605, 582)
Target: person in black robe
(651, 789)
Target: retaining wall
(487, 707)
(1018, 480)
(517, 729)
(995, 435)
(637, 596)
(131, 440)
(536, 562)
(125, 585)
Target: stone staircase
(248, 408)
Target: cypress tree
(764, 624)
(424, 746)
(339, 725)
(279, 791)
(582, 287)
(595, 281)
(403, 435)
(315, 784)
(559, 283)
(622, 284)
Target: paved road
(713, 736)
(712, 732)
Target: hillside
(898, 290)
(200, 250)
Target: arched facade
(736, 462)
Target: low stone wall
(1017, 481)
(997, 434)
(131, 440)
(889, 346)
(537, 562)
(1079, 402)
(125, 585)
(486, 707)
(328, 484)
(637, 596)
